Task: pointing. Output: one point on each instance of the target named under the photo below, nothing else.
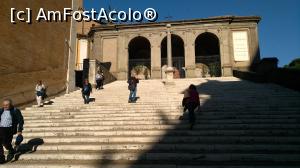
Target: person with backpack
(40, 91)
(11, 123)
(99, 80)
(102, 80)
(132, 87)
(190, 102)
(86, 91)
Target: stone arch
(198, 33)
(208, 55)
(139, 57)
(164, 35)
(178, 54)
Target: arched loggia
(207, 53)
(139, 49)
(177, 55)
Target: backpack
(131, 84)
(99, 77)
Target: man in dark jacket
(11, 122)
(132, 87)
(86, 91)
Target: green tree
(294, 64)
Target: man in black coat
(11, 122)
(132, 87)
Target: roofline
(219, 19)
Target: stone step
(99, 109)
(171, 114)
(195, 157)
(216, 108)
(89, 106)
(247, 99)
(96, 113)
(129, 112)
(204, 110)
(278, 132)
(170, 119)
(164, 127)
(91, 115)
(102, 110)
(160, 147)
(166, 119)
(237, 127)
(172, 139)
(140, 164)
(160, 122)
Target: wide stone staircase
(242, 124)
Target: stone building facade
(226, 42)
(37, 51)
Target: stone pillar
(92, 71)
(70, 83)
(96, 49)
(122, 58)
(255, 53)
(170, 70)
(225, 50)
(189, 59)
(155, 58)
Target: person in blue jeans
(132, 87)
(86, 91)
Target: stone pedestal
(170, 73)
(122, 75)
(155, 73)
(227, 71)
(190, 72)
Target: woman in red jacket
(191, 102)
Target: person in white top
(11, 123)
(40, 92)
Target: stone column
(225, 52)
(170, 70)
(190, 59)
(70, 83)
(155, 57)
(255, 53)
(122, 58)
(96, 49)
(92, 71)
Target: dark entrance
(80, 75)
(177, 54)
(139, 50)
(207, 50)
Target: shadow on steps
(222, 101)
(30, 147)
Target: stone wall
(31, 52)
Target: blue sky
(279, 29)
